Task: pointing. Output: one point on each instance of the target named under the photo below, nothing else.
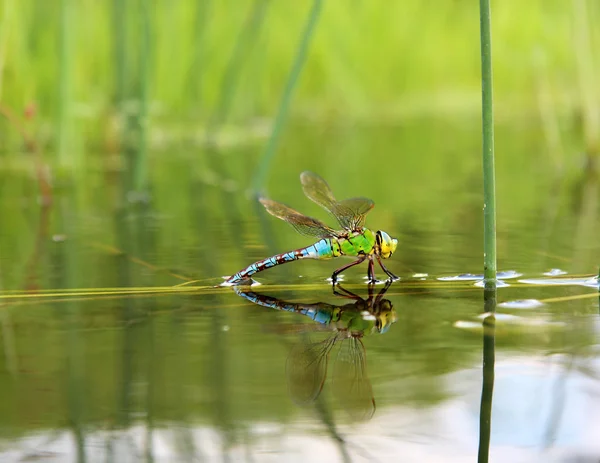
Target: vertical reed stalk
(195, 75)
(586, 74)
(489, 187)
(233, 70)
(140, 165)
(64, 85)
(489, 220)
(119, 11)
(267, 155)
(5, 25)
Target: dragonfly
(307, 362)
(352, 240)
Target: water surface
(116, 346)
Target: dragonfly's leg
(390, 274)
(345, 293)
(371, 286)
(371, 271)
(345, 267)
(371, 274)
(388, 283)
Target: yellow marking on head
(386, 244)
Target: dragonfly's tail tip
(230, 281)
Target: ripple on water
(508, 322)
(521, 304)
(476, 276)
(587, 281)
(499, 284)
(554, 272)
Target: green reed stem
(284, 104)
(119, 20)
(5, 25)
(64, 84)
(489, 187)
(233, 70)
(140, 164)
(195, 74)
(584, 52)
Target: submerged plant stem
(284, 104)
(489, 187)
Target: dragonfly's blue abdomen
(324, 317)
(322, 249)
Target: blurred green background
(79, 69)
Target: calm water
(115, 346)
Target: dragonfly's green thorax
(355, 244)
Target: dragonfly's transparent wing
(302, 223)
(294, 328)
(306, 370)
(350, 213)
(316, 189)
(350, 382)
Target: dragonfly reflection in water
(306, 367)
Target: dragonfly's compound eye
(387, 245)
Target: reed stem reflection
(487, 391)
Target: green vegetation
(365, 63)
(284, 105)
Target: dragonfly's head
(386, 244)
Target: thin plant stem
(120, 54)
(195, 74)
(232, 74)
(267, 155)
(5, 26)
(64, 84)
(140, 166)
(489, 187)
(489, 220)
(587, 80)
